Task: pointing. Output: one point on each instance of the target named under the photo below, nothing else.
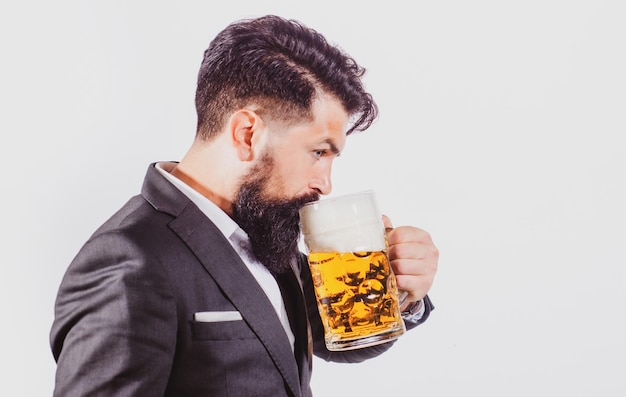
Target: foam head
(350, 223)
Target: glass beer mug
(356, 290)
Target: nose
(321, 182)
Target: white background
(501, 133)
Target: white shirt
(240, 242)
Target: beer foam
(350, 223)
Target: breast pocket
(221, 330)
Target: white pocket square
(212, 317)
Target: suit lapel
(294, 302)
(224, 265)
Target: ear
(243, 124)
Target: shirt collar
(224, 223)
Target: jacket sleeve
(114, 327)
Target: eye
(318, 153)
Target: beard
(272, 224)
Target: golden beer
(357, 298)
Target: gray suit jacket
(124, 315)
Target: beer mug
(356, 290)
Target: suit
(124, 315)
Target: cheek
(295, 173)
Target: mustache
(301, 201)
(288, 211)
(250, 198)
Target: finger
(387, 223)
(409, 234)
(417, 287)
(415, 267)
(412, 250)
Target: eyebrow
(333, 147)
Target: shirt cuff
(415, 311)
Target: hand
(413, 258)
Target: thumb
(387, 223)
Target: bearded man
(196, 287)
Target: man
(196, 287)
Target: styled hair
(279, 66)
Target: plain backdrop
(501, 133)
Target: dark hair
(278, 65)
